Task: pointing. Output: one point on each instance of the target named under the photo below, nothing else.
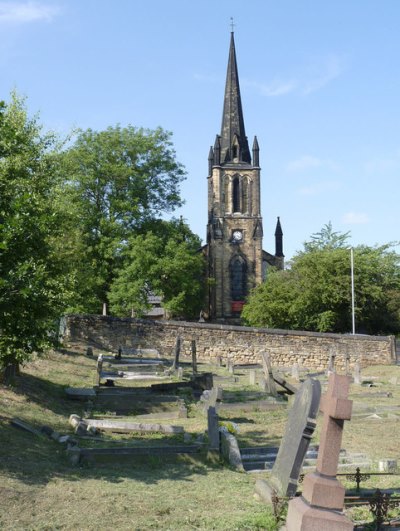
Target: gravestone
(295, 372)
(270, 386)
(252, 377)
(231, 368)
(213, 429)
(331, 365)
(194, 357)
(321, 504)
(99, 368)
(357, 373)
(347, 363)
(299, 429)
(177, 353)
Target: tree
(327, 238)
(32, 281)
(315, 292)
(117, 181)
(167, 263)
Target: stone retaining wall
(240, 344)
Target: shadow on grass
(44, 393)
(36, 460)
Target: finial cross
(232, 25)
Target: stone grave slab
(299, 429)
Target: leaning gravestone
(299, 429)
(321, 504)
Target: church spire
(234, 144)
(279, 240)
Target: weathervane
(232, 25)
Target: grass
(41, 490)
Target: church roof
(232, 129)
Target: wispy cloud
(309, 78)
(323, 73)
(277, 87)
(309, 162)
(383, 165)
(355, 218)
(25, 12)
(304, 163)
(322, 187)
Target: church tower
(236, 260)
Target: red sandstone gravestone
(320, 508)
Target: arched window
(236, 193)
(238, 272)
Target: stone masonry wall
(242, 345)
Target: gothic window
(238, 272)
(236, 193)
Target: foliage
(327, 238)
(32, 282)
(166, 263)
(116, 181)
(315, 292)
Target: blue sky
(320, 85)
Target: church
(236, 261)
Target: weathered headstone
(331, 365)
(213, 429)
(194, 356)
(346, 363)
(89, 352)
(104, 308)
(387, 465)
(295, 372)
(177, 353)
(357, 373)
(268, 375)
(299, 429)
(231, 367)
(180, 373)
(321, 503)
(252, 377)
(99, 368)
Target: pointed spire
(256, 153)
(210, 160)
(217, 151)
(234, 144)
(278, 239)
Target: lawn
(40, 489)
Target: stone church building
(235, 257)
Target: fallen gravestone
(322, 500)
(299, 429)
(251, 405)
(289, 388)
(119, 426)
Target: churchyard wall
(239, 344)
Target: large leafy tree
(314, 293)
(32, 281)
(166, 262)
(118, 181)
